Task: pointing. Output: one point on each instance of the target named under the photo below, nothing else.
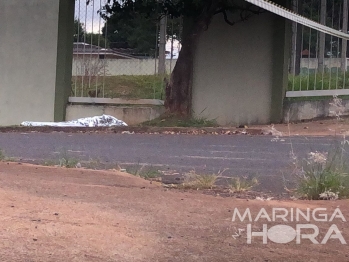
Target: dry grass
(192, 180)
(241, 184)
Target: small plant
(328, 195)
(337, 107)
(196, 181)
(144, 172)
(324, 175)
(240, 184)
(49, 163)
(68, 162)
(2, 155)
(93, 164)
(150, 174)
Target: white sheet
(96, 121)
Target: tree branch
(245, 14)
(226, 18)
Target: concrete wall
(240, 71)
(132, 115)
(115, 67)
(35, 50)
(312, 63)
(306, 110)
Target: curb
(137, 130)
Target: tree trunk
(322, 37)
(179, 89)
(344, 42)
(162, 46)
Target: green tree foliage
(137, 30)
(78, 31)
(97, 40)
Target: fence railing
(318, 63)
(104, 67)
(117, 67)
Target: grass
(143, 171)
(324, 174)
(175, 121)
(124, 86)
(68, 162)
(2, 155)
(192, 180)
(93, 164)
(241, 184)
(49, 163)
(324, 81)
(314, 98)
(65, 160)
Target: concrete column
(240, 71)
(35, 59)
(282, 35)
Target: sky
(88, 14)
(94, 23)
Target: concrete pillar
(240, 71)
(35, 59)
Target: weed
(93, 164)
(150, 174)
(196, 181)
(10, 159)
(240, 184)
(67, 161)
(143, 171)
(324, 175)
(49, 163)
(337, 107)
(2, 155)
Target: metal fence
(318, 61)
(107, 64)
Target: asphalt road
(240, 155)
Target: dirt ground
(57, 214)
(324, 127)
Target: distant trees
(138, 30)
(80, 35)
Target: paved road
(241, 155)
